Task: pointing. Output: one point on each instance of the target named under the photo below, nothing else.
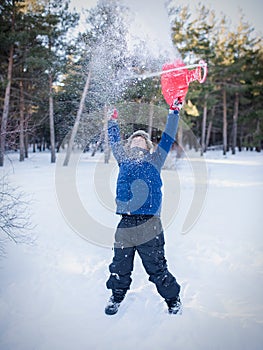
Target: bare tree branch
(15, 218)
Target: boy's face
(138, 141)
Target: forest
(56, 79)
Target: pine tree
(8, 20)
(58, 22)
(28, 28)
(193, 39)
(105, 53)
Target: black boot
(174, 305)
(115, 300)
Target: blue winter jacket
(139, 182)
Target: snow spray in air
(151, 54)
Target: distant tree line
(50, 78)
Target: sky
(151, 23)
(252, 10)
(152, 13)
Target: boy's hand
(177, 104)
(113, 114)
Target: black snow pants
(144, 234)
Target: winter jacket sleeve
(115, 140)
(167, 139)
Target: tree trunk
(241, 137)
(209, 129)
(235, 116)
(51, 121)
(26, 143)
(179, 141)
(22, 124)
(28, 117)
(106, 138)
(98, 143)
(6, 106)
(150, 119)
(208, 134)
(224, 123)
(257, 139)
(76, 124)
(203, 148)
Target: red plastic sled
(176, 81)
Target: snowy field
(53, 294)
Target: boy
(138, 199)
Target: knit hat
(143, 134)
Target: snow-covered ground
(53, 291)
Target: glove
(113, 114)
(176, 105)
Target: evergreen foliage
(41, 57)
